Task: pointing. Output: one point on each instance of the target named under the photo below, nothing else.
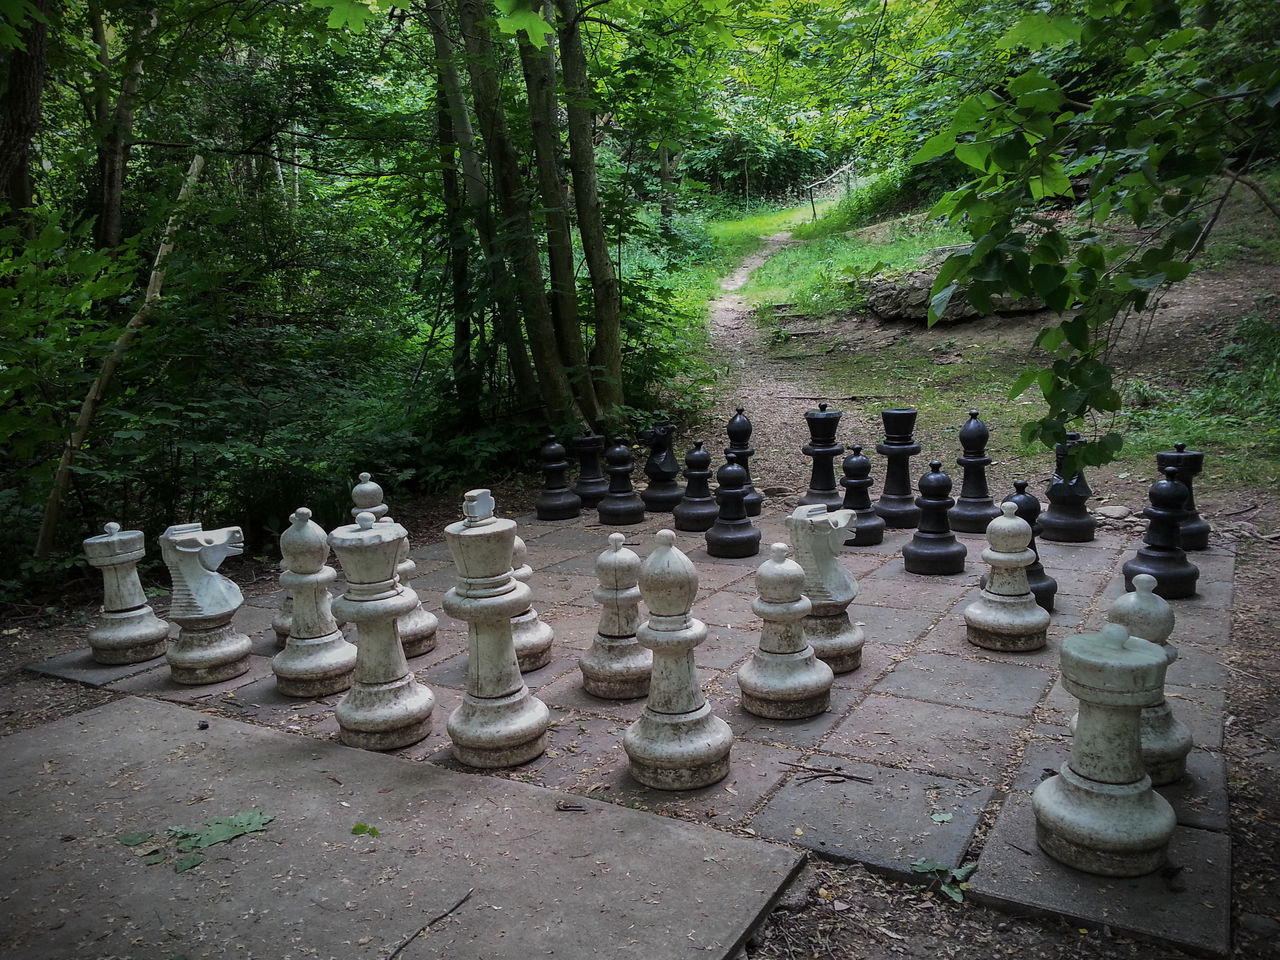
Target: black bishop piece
(556, 501)
(698, 511)
(822, 449)
(663, 492)
(739, 430)
(1189, 464)
(733, 535)
(869, 526)
(621, 506)
(1163, 556)
(974, 507)
(897, 504)
(1027, 507)
(933, 549)
(592, 484)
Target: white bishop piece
(1006, 616)
(617, 667)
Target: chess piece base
(1175, 575)
(868, 529)
(209, 655)
(972, 516)
(733, 541)
(560, 505)
(417, 630)
(1010, 624)
(1166, 741)
(533, 640)
(899, 512)
(662, 497)
(131, 636)
(625, 513)
(1062, 526)
(315, 668)
(785, 686)
(1113, 830)
(940, 557)
(696, 516)
(1043, 587)
(681, 751)
(616, 669)
(385, 716)
(488, 733)
(835, 641)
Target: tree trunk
(668, 161)
(21, 85)
(539, 77)
(517, 237)
(607, 354)
(464, 374)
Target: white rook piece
(1006, 615)
(783, 680)
(678, 743)
(818, 536)
(316, 660)
(129, 631)
(617, 667)
(1099, 814)
(386, 707)
(208, 649)
(532, 636)
(1166, 741)
(499, 724)
(417, 625)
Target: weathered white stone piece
(784, 679)
(678, 743)
(282, 622)
(532, 635)
(499, 723)
(1006, 616)
(417, 625)
(1099, 814)
(208, 648)
(617, 667)
(386, 707)
(128, 631)
(817, 536)
(1166, 740)
(316, 660)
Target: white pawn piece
(1006, 615)
(316, 660)
(678, 743)
(499, 724)
(129, 631)
(1099, 814)
(282, 622)
(818, 536)
(784, 679)
(1166, 740)
(532, 636)
(386, 707)
(208, 649)
(417, 625)
(617, 667)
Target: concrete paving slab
(507, 874)
(566, 693)
(886, 824)
(1092, 558)
(891, 546)
(891, 624)
(877, 660)
(1008, 688)
(157, 682)
(1192, 911)
(951, 635)
(725, 647)
(79, 665)
(802, 734)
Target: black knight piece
(934, 549)
(1162, 556)
(733, 534)
(556, 501)
(974, 507)
(1189, 464)
(869, 526)
(1027, 507)
(592, 484)
(663, 492)
(822, 449)
(739, 430)
(1068, 520)
(621, 506)
(897, 504)
(698, 511)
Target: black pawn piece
(556, 501)
(897, 504)
(1189, 464)
(933, 549)
(823, 450)
(1163, 556)
(732, 535)
(869, 527)
(663, 492)
(1027, 507)
(974, 507)
(1068, 520)
(621, 506)
(592, 484)
(739, 430)
(698, 511)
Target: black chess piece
(897, 504)
(556, 501)
(1068, 520)
(974, 507)
(1189, 464)
(698, 511)
(1027, 507)
(739, 430)
(869, 526)
(621, 505)
(823, 450)
(592, 484)
(1163, 556)
(733, 534)
(663, 492)
(933, 549)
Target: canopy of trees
(248, 247)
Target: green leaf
(952, 891)
(517, 15)
(183, 864)
(925, 865)
(941, 817)
(939, 301)
(1040, 30)
(935, 146)
(974, 154)
(363, 828)
(965, 872)
(152, 859)
(1025, 380)
(133, 839)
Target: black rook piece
(1189, 464)
(1163, 556)
(1067, 520)
(592, 485)
(933, 549)
(733, 535)
(663, 492)
(897, 503)
(698, 511)
(557, 501)
(974, 508)
(621, 506)
(1027, 507)
(739, 430)
(869, 526)
(823, 450)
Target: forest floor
(841, 911)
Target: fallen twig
(429, 924)
(823, 773)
